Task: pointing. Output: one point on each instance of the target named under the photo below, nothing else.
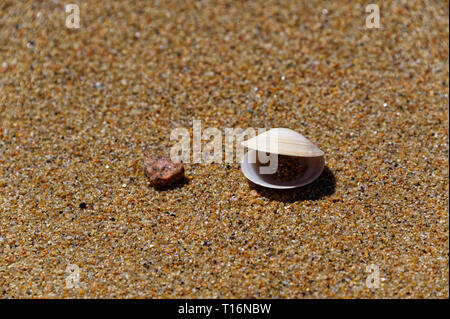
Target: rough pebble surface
(81, 108)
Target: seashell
(283, 141)
(286, 142)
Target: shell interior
(313, 168)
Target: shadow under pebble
(323, 186)
(176, 185)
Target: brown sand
(80, 110)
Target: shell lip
(297, 152)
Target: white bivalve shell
(282, 141)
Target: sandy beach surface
(80, 109)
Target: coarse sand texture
(82, 108)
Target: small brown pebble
(162, 171)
